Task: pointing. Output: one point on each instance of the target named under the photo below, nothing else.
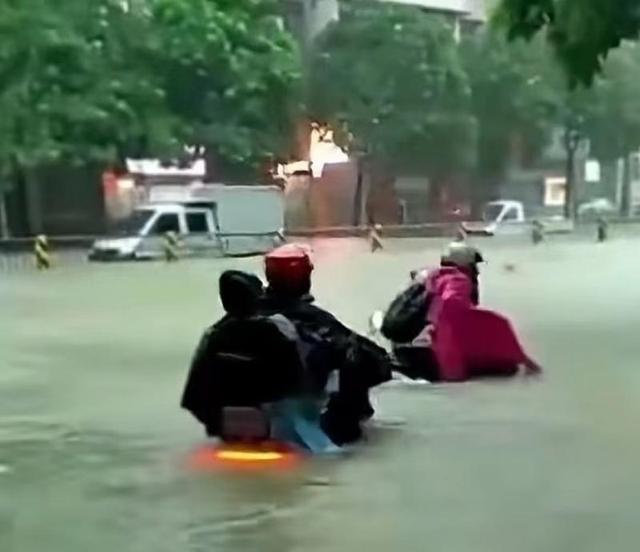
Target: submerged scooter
(275, 436)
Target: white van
(214, 220)
(507, 217)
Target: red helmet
(288, 269)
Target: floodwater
(94, 449)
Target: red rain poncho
(468, 342)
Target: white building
(308, 18)
(473, 10)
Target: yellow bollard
(41, 252)
(171, 247)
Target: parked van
(214, 220)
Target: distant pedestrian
(375, 240)
(537, 232)
(603, 229)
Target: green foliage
(516, 97)
(92, 81)
(229, 73)
(71, 86)
(581, 32)
(612, 120)
(393, 76)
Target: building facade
(467, 9)
(308, 18)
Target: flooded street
(93, 445)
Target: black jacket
(241, 362)
(245, 359)
(329, 345)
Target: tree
(230, 74)
(393, 77)
(516, 93)
(520, 96)
(71, 88)
(93, 82)
(612, 122)
(581, 33)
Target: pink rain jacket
(468, 342)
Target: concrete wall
(322, 202)
(57, 200)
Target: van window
(492, 212)
(133, 224)
(166, 223)
(197, 223)
(511, 215)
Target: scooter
(272, 436)
(275, 435)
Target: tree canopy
(393, 75)
(516, 93)
(581, 33)
(612, 120)
(94, 81)
(229, 73)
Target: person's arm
(194, 396)
(356, 349)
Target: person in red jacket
(470, 342)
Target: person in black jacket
(244, 360)
(328, 344)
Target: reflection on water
(93, 448)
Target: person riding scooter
(457, 341)
(470, 342)
(244, 360)
(328, 345)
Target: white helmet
(461, 254)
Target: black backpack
(254, 363)
(406, 317)
(241, 363)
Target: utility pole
(625, 192)
(4, 219)
(571, 143)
